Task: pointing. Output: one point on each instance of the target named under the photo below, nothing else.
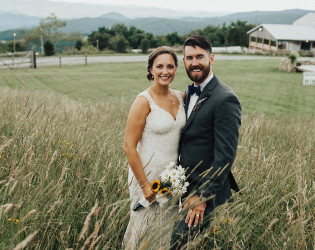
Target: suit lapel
(187, 99)
(206, 93)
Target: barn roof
(288, 32)
(308, 19)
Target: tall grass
(59, 159)
(63, 175)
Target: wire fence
(16, 60)
(29, 59)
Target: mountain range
(71, 10)
(10, 22)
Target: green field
(63, 174)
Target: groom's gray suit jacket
(210, 139)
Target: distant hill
(159, 26)
(114, 16)
(11, 20)
(163, 26)
(87, 25)
(77, 9)
(258, 17)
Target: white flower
(170, 166)
(181, 170)
(165, 175)
(183, 190)
(175, 182)
(174, 174)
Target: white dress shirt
(194, 97)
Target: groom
(208, 141)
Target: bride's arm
(135, 125)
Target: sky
(212, 6)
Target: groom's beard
(198, 79)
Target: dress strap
(148, 97)
(179, 96)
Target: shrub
(145, 45)
(78, 45)
(49, 48)
(293, 56)
(118, 43)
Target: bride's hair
(155, 53)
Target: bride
(151, 141)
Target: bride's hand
(149, 195)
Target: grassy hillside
(63, 174)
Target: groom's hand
(196, 210)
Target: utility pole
(42, 43)
(14, 35)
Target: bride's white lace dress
(157, 147)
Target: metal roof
(288, 32)
(308, 19)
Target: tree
(215, 34)
(236, 34)
(157, 41)
(31, 38)
(118, 43)
(120, 29)
(48, 29)
(49, 48)
(135, 37)
(18, 47)
(3, 48)
(174, 38)
(145, 45)
(100, 38)
(78, 45)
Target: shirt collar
(205, 82)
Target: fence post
(60, 61)
(85, 55)
(34, 66)
(13, 60)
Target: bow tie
(192, 90)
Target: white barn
(284, 38)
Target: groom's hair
(199, 41)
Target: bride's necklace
(169, 96)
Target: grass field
(63, 174)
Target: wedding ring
(197, 215)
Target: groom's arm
(227, 121)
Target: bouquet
(171, 183)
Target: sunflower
(155, 186)
(164, 191)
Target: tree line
(47, 38)
(120, 38)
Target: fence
(24, 59)
(29, 59)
